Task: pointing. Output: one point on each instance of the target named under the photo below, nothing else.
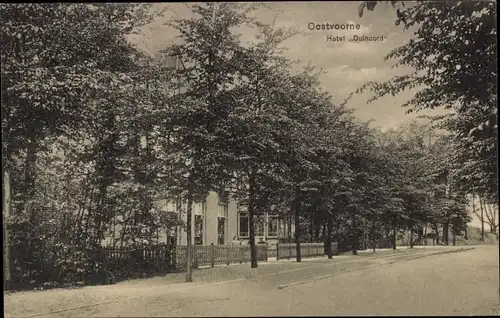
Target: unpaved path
(239, 290)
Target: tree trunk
(446, 227)
(394, 238)
(354, 244)
(411, 237)
(436, 231)
(420, 230)
(189, 256)
(354, 236)
(317, 229)
(482, 220)
(337, 228)
(297, 222)
(329, 235)
(454, 233)
(178, 206)
(100, 211)
(425, 235)
(30, 170)
(251, 219)
(311, 228)
(365, 235)
(374, 239)
(87, 218)
(29, 192)
(387, 233)
(490, 216)
(465, 234)
(323, 234)
(6, 199)
(6, 213)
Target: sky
(347, 65)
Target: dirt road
(420, 282)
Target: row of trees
(447, 34)
(94, 130)
(76, 97)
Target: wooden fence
(289, 250)
(272, 251)
(380, 243)
(126, 262)
(211, 255)
(169, 258)
(158, 260)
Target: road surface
(422, 283)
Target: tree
(464, 28)
(424, 183)
(334, 172)
(199, 123)
(392, 211)
(485, 214)
(491, 217)
(52, 86)
(254, 149)
(447, 35)
(305, 111)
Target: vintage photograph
(246, 159)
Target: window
(243, 224)
(222, 212)
(272, 226)
(244, 227)
(224, 197)
(283, 228)
(199, 208)
(172, 219)
(258, 227)
(221, 229)
(221, 223)
(172, 237)
(198, 229)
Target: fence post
(212, 256)
(267, 249)
(228, 255)
(241, 253)
(278, 251)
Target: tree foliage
(96, 135)
(452, 54)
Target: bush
(59, 265)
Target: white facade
(217, 221)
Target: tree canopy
(453, 57)
(96, 134)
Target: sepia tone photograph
(250, 159)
